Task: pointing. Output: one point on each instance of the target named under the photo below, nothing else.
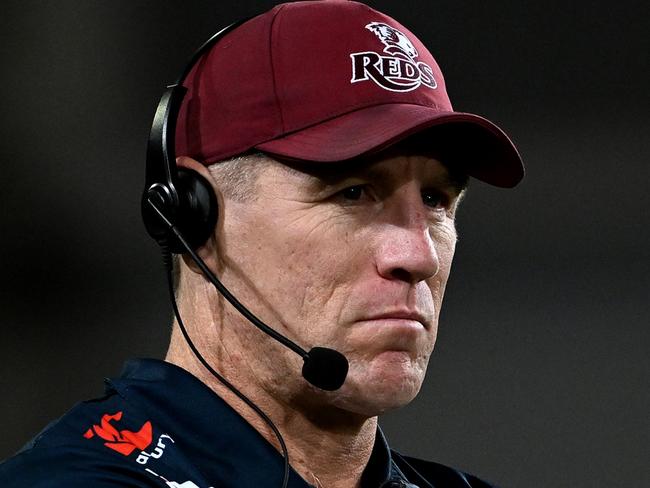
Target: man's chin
(387, 384)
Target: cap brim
(466, 141)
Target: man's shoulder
(437, 474)
(141, 433)
(70, 451)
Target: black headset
(180, 212)
(182, 195)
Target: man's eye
(353, 192)
(433, 199)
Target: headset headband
(161, 154)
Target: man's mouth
(403, 316)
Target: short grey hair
(236, 177)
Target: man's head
(340, 233)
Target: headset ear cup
(197, 214)
(191, 206)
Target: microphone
(323, 367)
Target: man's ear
(193, 164)
(207, 251)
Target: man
(326, 134)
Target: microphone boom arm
(224, 291)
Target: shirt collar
(214, 437)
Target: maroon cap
(331, 80)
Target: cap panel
(332, 57)
(231, 102)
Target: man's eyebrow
(320, 176)
(454, 181)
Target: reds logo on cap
(399, 72)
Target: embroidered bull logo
(399, 71)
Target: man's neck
(318, 444)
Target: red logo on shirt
(123, 441)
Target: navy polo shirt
(158, 426)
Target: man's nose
(407, 253)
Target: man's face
(354, 257)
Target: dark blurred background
(540, 374)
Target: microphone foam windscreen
(325, 368)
